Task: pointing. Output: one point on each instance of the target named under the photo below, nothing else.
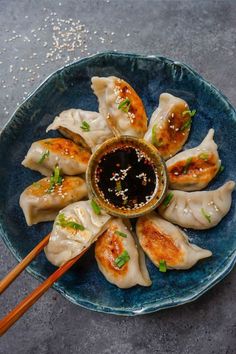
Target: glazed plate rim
(150, 307)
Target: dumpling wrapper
(131, 119)
(169, 125)
(39, 205)
(193, 169)
(66, 242)
(111, 245)
(197, 210)
(70, 123)
(162, 241)
(44, 155)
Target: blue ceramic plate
(68, 88)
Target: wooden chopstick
(27, 302)
(13, 274)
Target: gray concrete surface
(200, 33)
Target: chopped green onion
(155, 141)
(122, 259)
(162, 266)
(125, 202)
(119, 233)
(204, 156)
(56, 174)
(206, 216)
(85, 126)
(118, 186)
(188, 122)
(63, 222)
(187, 165)
(186, 125)
(154, 134)
(44, 156)
(55, 178)
(167, 199)
(221, 169)
(75, 225)
(96, 207)
(191, 113)
(125, 105)
(36, 185)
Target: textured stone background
(199, 33)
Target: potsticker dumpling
(120, 105)
(89, 129)
(193, 169)
(164, 242)
(197, 210)
(41, 201)
(44, 155)
(169, 126)
(75, 228)
(119, 259)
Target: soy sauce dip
(126, 177)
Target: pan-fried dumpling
(76, 227)
(119, 259)
(164, 242)
(193, 169)
(120, 105)
(41, 201)
(44, 155)
(197, 210)
(169, 126)
(89, 129)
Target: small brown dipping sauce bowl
(127, 177)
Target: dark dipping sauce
(126, 178)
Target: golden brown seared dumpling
(44, 155)
(119, 259)
(41, 201)
(164, 242)
(193, 169)
(76, 227)
(86, 128)
(169, 125)
(197, 210)
(120, 105)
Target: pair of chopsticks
(29, 300)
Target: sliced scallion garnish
(186, 125)
(162, 266)
(122, 259)
(206, 215)
(63, 222)
(55, 178)
(167, 199)
(204, 156)
(125, 105)
(96, 208)
(187, 165)
(191, 113)
(36, 185)
(221, 169)
(85, 126)
(118, 186)
(188, 122)
(44, 156)
(155, 141)
(119, 233)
